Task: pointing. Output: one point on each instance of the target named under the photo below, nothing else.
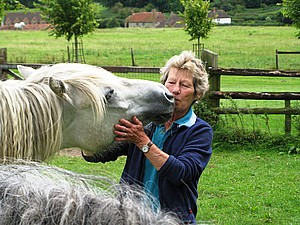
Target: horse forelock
(30, 122)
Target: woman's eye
(185, 85)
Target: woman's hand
(132, 132)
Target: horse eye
(109, 94)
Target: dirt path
(70, 152)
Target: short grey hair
(187, 60)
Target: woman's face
(180, 84)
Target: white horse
(19, 26)
(33, 193)
(72, 105)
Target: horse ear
(25, 71)
(57, 86)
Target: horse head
(92, 100)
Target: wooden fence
(215, 94)
(278, 52)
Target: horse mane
(30, 122)
(34, 193)
(30, 126)
(83, 77)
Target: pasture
(243, 184)
(237, 47)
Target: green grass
(111, 169)
(269, 123)
(250, 187)
(255, 16)
(254, 47)
(237, 47)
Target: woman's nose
(176, 89)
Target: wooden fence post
(211, 60)
(3, 60)
(276, 59)
(288, 118)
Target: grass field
(257, 187)
(243, 184)
(275, 123)
(237, 47)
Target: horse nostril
(169, 96)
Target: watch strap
(147, 147)
(150, 143)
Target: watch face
(145, 148)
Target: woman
(168, 159)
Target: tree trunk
(199, 51)
(76, 49)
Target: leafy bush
(229, 135)
(202, 110)
(110, 23)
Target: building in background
(145, 19)
(33, 21)
(220, 16)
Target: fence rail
(215, 94)
(278, 52)
(252, 72)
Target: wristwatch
(147, 147)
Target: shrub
(231, 134)
(202, 110)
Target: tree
(252, 3)
(197, 23)
(72, 18)
(28, 3)
(1, 10)
(9, 5)
(161, 5)
(291, 10)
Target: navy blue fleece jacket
(189, 149)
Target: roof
(146, 17)
(218, 14)
(19, 17)
(33, 21)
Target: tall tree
(291, 10)
(9, 5)
(1, 10)
(253, 3)
(195, 15)
(161, 5)
(72, 18)
(28, 3)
